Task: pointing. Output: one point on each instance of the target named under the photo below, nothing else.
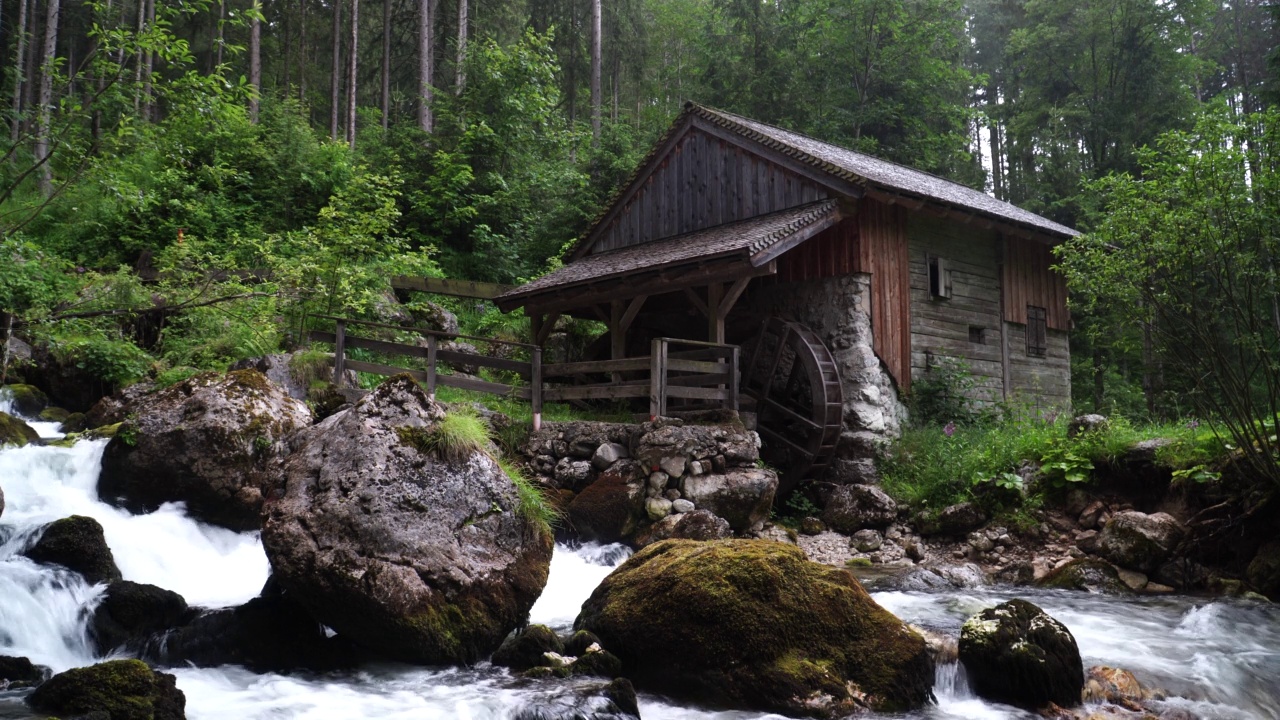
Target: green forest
(307, 150)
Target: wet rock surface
(19, 672)
(206, 441)
(773, 631)
(395, 549)
(121, 689)
(14, 432)
(854, 507)
(1139, 541)
(76, 543)
(130, 613)
(1017, 654)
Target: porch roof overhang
(745, 248)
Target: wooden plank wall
(704, 182)
(1044, 382)
(832, 253)
(1029, 280)
(940, 327)
(883, 252)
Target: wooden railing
(705, 371)
(531, 370)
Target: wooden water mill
(792, 380)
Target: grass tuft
(460, 434)
(533, 505)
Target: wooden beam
(696, 301)
(548, 327)
(617, 334)
(632, 310)
(715, 321)
(447, 286)
(776, 250)
(731, 297)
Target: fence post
(658, 377)
(432, 341)
(535, 386)
(734, 356)
(339, 353)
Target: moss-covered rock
(53, 414)
(123, 689)
(598, 662)
(78, 544)
(131, 612)
(753, 624)
(1088, 575)
(1016, 653)
(13, 431)
(525, 649)
(74, 423)
(28, 400)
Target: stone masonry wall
(838, 310)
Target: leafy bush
(942, 394)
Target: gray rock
(955, 520)
(1088, 541)
(854, 507)
(853, 471)
(294, 376)
(1, 502)
(696, 467)
(1091, 422)
(1263, 572)
(681, 506)
(742, 496)
(608, 454)
(657, 508)
(1139, 541)
(866, 540)
(671, 494)
(658, 481)
(1093, 515)
(209, 441)
(76, 543)
(397, 549)
(673, 466)
(572, 474)
(693, 525)
(609, 509)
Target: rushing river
(1218, 659)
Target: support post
(535, 386)
(658, 377)
(715, 323)
(734, 353)
(339, 353)
(432, 344)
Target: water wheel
(799, 403)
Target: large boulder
(693, 525)
(76, 543)
(13, 431)
(609, 509)
(112, 409)
(527, 648)
(26, 400)
(1263, 571)
(1139, 541)
(753, 624)
(400, 550)
(1086, 574)
(854, 507)
(131, 612)
(955, 519)
(113, 690)
(270, 633)
(613, 701)
(742, 496)
(297, 372)
(205, 441)
(1017, 654)
(19, 672)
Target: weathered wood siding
(940, 327)
(703, 182)
(1043, 382)
(883, 252)
(834, 252)
(1029, 280)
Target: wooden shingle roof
(755, 241)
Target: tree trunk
(426, 63)
(386, 64)
(148, 109)
(255, 61)
(19, 78)
(596, 99)
(335, 77)
(46, 97)
(222, 17)
(351, 68)
(302, 51)
(32, 71)
(460, 79)
(287, 70)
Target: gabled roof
(841, 164)
(755, 241)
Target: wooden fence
(704, 372)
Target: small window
(1036, 342)
(977, 334)
(939, 278)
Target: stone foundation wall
(838, 310)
